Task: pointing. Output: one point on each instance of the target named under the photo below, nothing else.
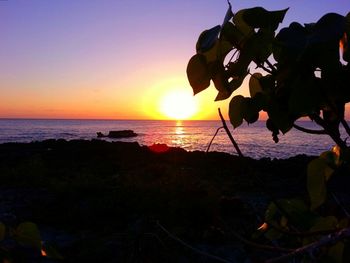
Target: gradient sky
(112, 58)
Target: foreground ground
(96, 201)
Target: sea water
(254, 140)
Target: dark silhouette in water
(118, 134)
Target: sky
(113, 59)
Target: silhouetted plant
(298, 73)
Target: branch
(310, 248)
(218, 129)
(325, 126)
(265, 68)
(309, 130)
(345, 125)
(272, 67)
(229, 134)
(191, 247)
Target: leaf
(2, 231)
(207, 39)
(273, 234)
(336, 252)
(254, 84)
(198, 73)
(236, 109)
(228, 16)
(218, 52)
(241, 24)
(232, 34)
(279, 117)
(305, 97)
(329, 27)
(290, 43)
(317, 173)
(250, 111)
(270, 212)
(28, 234)
(51, 252)
(259, 17)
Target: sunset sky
(113, 59)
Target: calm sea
(254, 140)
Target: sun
(178, 105)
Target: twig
(229, 134)
(310, 248)
(265, 68)
(272, 67)
(191, 247)
(309, 130)
(341, 205)
(212, 139)
(345, 125)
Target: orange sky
(111, 59)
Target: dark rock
(118, 134)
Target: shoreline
(86, 192)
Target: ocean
(254, 140)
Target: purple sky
(102, 58)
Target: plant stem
(346, 126)
(336, 138)
(309, 130)
(229, 134)
(212, 139)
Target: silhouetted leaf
(254, 84)
(317, 173)
(305, 97)
(236, 109)
(207, 39)
(330, 27)
(28, 234)
(198, 73)
(279, 118)
(232, 34)
(51, 252)
(336, 252)
(290, 43)
(241, 24)
(218, 52)
(250, 111)
(228, 16)
(259, 17)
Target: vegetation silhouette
(299, 74)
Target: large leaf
(330, 27)
(290, 43)
(250, 111)
(241, 24)
(259, 17)
(305, 97)
(232, 34)
(28, 234)
(207, 39)
(254, 84)
(279, 117)
(218, 52)
(318, 172)
(198, 73)
(236, 109)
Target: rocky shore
(98, 201)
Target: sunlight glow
(178, 105)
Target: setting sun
(178, 104)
